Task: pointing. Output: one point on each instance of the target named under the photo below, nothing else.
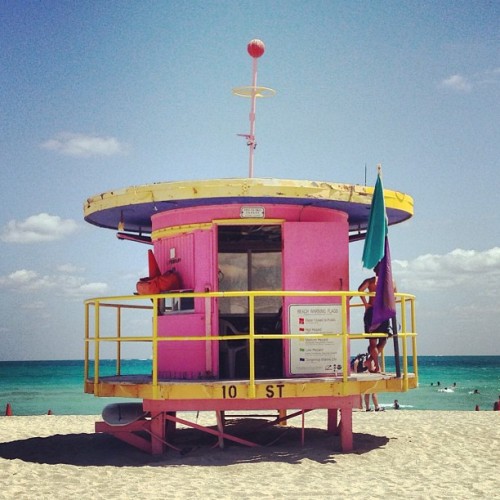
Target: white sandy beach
(407, 454)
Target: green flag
(373, 251)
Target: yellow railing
(405, 317)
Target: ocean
(445, 383)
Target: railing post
(118, 343)
(96, 346)
(414, 338)
(405, 347)
(345, 341)
(208, 334)
(87, 337)
(155, 349)
(251, 347)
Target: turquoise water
(467, 372)
(35, 387)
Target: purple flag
(384, 305)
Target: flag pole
(394, 322)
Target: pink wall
(184, 360)
(315, 256)
(192, 255)
(198, 215)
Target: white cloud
(84, 146)
(69, 268)
(458, 83)
(38, 228)
(93, 289)
(461, 83)
(455, 269)
(26, 280)
(20, 278)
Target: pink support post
(220, 428)
(346, 440)
(333, 421)
(158, 433)
(303, 435)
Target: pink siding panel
(184, 360)
(193, 258)
(182, 260)
(315, 257)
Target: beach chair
(231, 347)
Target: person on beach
(377, 344)
(396, 404)
(363, 363)
(375, 403)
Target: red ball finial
(256, 48)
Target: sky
(96, 96)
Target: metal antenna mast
(255, 49)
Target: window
(249, 259)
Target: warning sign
(315, 356)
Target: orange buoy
(8, 410)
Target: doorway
(250, 258)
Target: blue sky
(97, 96)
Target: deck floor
(148, 379)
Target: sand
(405, 454)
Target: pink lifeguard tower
(248, 303)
